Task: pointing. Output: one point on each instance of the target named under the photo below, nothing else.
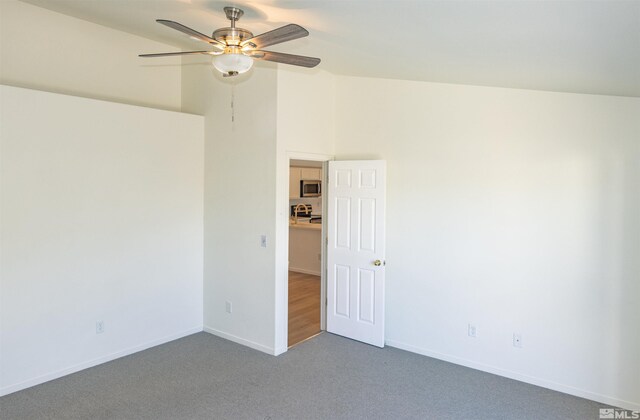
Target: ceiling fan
(234, 49)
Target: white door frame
(282, 247)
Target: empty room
(379, 209)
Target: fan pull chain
(233, 111)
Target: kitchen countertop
(304, 224)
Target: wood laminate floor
(304, 306)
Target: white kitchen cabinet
(297, 174)
(294, 182)
(312, 174)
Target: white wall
(516, 211)
(239, 201)
(101, 219)
(45, 50)
(245, 160)
(246, 186)
(306, 116)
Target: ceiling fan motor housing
(231, 36)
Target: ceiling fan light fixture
(232, 63)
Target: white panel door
(355, 250)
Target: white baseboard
(303, 271)
(567, 389)
(279, 350)
(94, 362)
(244, 342)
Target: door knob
(377, 263)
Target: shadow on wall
(619, 244)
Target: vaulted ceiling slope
(566, 46)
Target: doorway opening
(306, 250)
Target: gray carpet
(328, 377)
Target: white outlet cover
(517, 340)
(472, 331)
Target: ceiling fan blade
(296, 60)
(191, 32)
(174, 53)
(283, 34)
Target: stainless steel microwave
(310, 188)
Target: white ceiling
(567, 46)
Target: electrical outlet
(263, 241)
(472, 331)
(517, 340)
(228, 307)
(99, 327)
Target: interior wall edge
(95, 97)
